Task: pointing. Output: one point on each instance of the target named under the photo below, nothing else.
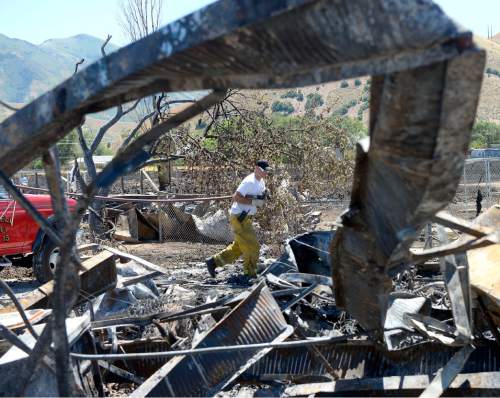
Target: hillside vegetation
(28, 70)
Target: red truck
(20, 235)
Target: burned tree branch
(9, 107)
(139, 150)
(79, 177)
(77, 65)
(149, 116)
(134, 131)
(100, 134)
(66, 285)
(13, 339)
(103, 52)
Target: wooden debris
(484, 266)
(43, 381)
(98, 276)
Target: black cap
(264, 165)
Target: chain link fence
(170, 219)
(186, 212)
(479, 187)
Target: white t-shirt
(249, 186)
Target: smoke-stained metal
(359, 359)
(405, 172)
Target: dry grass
(489, 101)
(335, 97)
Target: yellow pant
(245, 242)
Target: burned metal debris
(159, 219)
(426, 77)
(156, 334)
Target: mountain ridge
(28, 70)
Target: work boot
(211, 266)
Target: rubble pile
(148, 331)
(204, 220)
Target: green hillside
(28, 70)
(350, 98)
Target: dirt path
(174, 255)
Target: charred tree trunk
(165, 169)
(163, 176)
(96, 221)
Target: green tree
(283, 107)
(484, 134)
(290, 94)
(69, 148)
(314, 100)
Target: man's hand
(262, 196)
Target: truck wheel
(45, 261)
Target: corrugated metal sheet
(256, 319)
(144, 367)
(366, 360)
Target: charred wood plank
(98, 276)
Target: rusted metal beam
(455, 270)
(407, 171)
(462, 225)
(483, 266)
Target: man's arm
(239, 198)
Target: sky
(39, 20)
